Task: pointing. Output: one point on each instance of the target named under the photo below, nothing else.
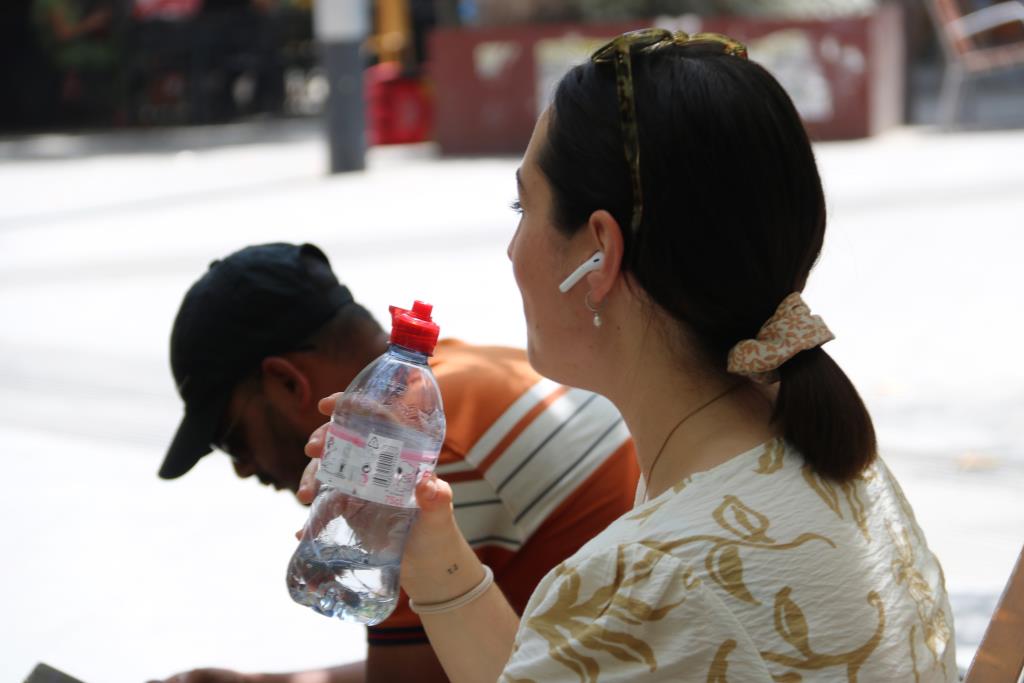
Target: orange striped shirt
(537, 469)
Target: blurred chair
(1000, 657)
(966, 57)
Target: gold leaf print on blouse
(826, 490)
(726, 570)
(749, 529)
(935, 630)
(901, 498)
(572, 619)
(791, 624)
(645, 515)
(851, 491)
(741, 520)
(719, 670)
(913, 652)
(772, 458)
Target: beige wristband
(460, 601)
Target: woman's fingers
(433, 540)
(309, 485)
(314, 448)
(326, 404)
(434, 496)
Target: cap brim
(192, 440)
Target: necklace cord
(647, 479)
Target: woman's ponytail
(821, 414)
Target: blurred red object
(400, 108)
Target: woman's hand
(326, 406)
(435, 527)
(314, 448)
(309, 485)
(438, 565)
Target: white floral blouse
(757, 571)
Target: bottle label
(374, 468)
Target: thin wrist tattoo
(452, 569)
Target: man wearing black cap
(536, 468)
(252, 316)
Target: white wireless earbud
(590, 265)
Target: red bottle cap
(414, 329)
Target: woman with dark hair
(671, 211)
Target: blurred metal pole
(340, 27)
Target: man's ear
(604, 230)
(285, 385)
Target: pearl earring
(595, 311)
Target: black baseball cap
(260, 301)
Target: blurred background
(141, 139)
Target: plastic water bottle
(384, 436)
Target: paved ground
(116, 576)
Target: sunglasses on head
(619, 52)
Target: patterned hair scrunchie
(789, 331)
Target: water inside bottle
(340, 573)
(338, 582)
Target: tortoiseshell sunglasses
(619, 51)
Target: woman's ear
(285, 385)
(604, 230)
